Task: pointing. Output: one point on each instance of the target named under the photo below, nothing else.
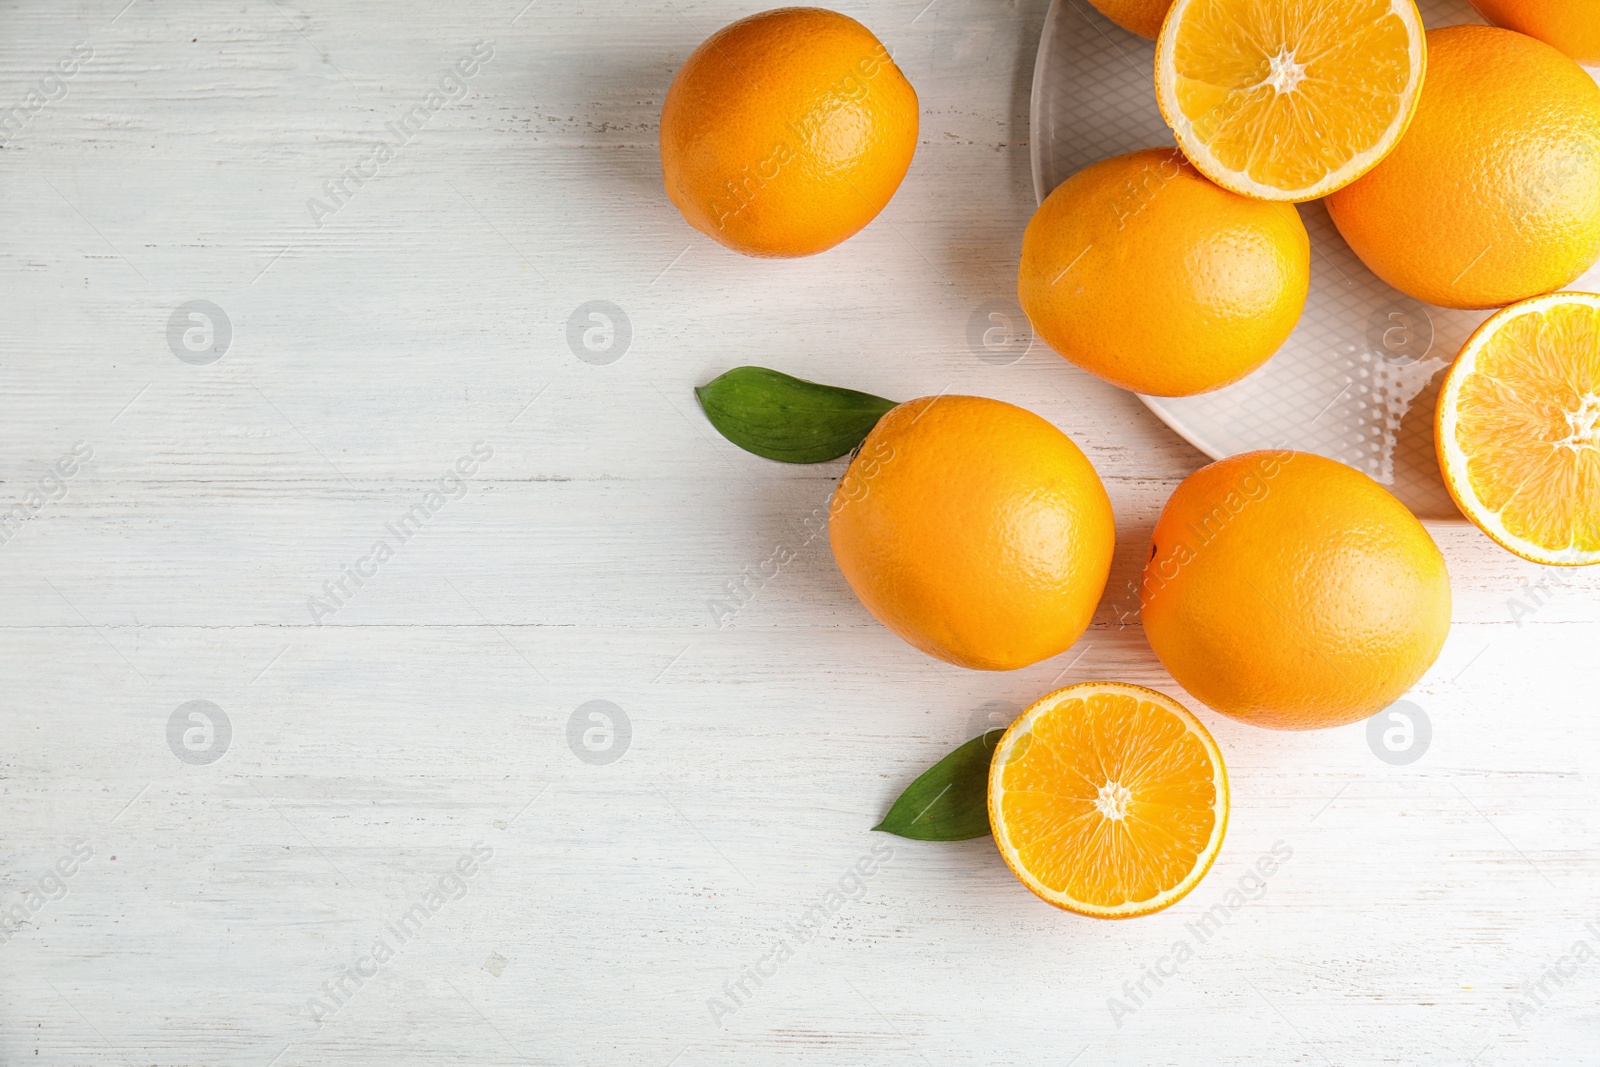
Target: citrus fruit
(1143, 272)
(1493, 195)
(1288, 99)
(1136, 16)
(1518, 428)
(1291, 591)
(1570, 25)
(1108, 799)
(975, 530)
(786, 132)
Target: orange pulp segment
(1518, 428)
(1289, 99)
(1108, 799)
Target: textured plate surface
(1358, 378)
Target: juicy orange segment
(1108, 799)
(1288, 99)
(1518, 428)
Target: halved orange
(1518, 428)
(1288, 99)
(1108, 799)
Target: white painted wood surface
(430, 713)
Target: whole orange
(786, 132)
(1493, 194)
(1570, 25)
(975, 530)
(1291, 591)
(1136, 16)
(1144, 272)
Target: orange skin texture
(787, 132)
(1309, 598)
(1570, 25)
(1142, 271)
(1143, 17)
(1493, 194)
(975, 530)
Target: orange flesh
(1286, 94)
(1528, 419)
(1110, 800)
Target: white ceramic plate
(1358, 378)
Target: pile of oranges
(1286, 590)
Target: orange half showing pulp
(1108, 799)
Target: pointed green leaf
(788, 419)
(950, 801)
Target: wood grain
(431, 712)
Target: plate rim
(1034, 120)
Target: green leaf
(950, 801)
(787, 419)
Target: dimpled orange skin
(1493, 194)
(975, 530)
(1143, 17)
(1290, 591)
(1142, 271)
(1570, 25)
(787, 132)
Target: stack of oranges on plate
(1461, 164)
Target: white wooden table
(226, 893)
